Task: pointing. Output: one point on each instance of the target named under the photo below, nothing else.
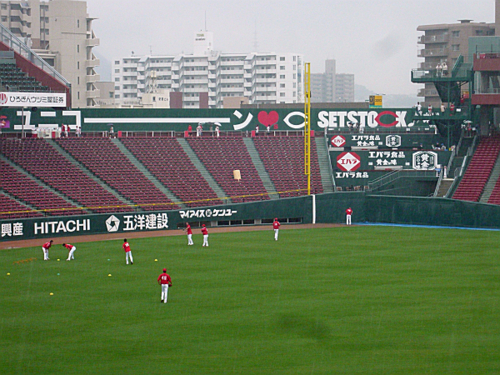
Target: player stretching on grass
(165, 281)
(276, 227)
(204, 231)
(128, 252)
(71, 249)
(45, 248)
(189, 232)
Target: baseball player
(189, 232)
(71, 249)
(348, 214)
(276, 227)
(128, 252)
(45, 248)
(204, 231)
(165, 281)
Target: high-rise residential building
(443, 44)
(59, 31)
(330, 87)
(344, 87)
(260, 78)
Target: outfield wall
(328, 208)
(299, 209)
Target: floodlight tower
(307, 125)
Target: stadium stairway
(203, 171)
(444, 187)
(492, 180)
(80, 166)
(324, 165)
(261, 170)
(40, 183)
(146, 172)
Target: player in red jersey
(128, 252)
(189, 232)
(204, 231)
(165, 281)
(71, 249)
(45, 248)
(348, 214)
(276, 227)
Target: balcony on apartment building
(428, 39)
(432, 52)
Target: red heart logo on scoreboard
(270, 118)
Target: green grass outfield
(346, 300)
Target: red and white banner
(32, 99)
(348, 161)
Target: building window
(282, 76)
(117, 62)
(78, 65)
(455, 47)
(117, 88)
(455, 34)
(77, 48)
(117, 96)
(282, 58)
(117, 70)
(77, 80)
(282, 94)
(294, 58)
(282, 67)
(78, 23)
(78, 95)
(282, 85)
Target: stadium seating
(221, 156)
(27, 190)
(113, 167)
(167, 161)
(283, 158)
(15, 79)
(479, 170)
(11, 209)
(43, 161)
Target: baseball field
(342, 300)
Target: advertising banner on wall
(32, 99)
(19, 229)
(242, 119)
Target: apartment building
(443, 44)
(331, 87)
(59, 31)
(258, 78)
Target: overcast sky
(375, 40)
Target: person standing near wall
(348, 214)
(128, 252)
(189, 233)
(276, 227)
(204, 231)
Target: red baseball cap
(203, 225)
(164, 270)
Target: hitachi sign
(54, 227)
(372, 119)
